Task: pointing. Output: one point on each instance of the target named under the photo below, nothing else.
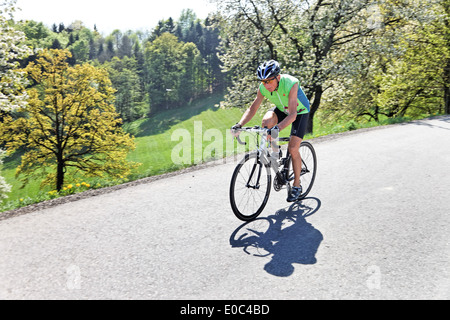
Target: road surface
(375, 226)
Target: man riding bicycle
(291, 107)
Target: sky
(109, 15)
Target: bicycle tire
(247, 199)
(309, 168)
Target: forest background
(359, 61)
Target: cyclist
(291, 107)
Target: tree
(61, 27)
(56, 44)
(80, 51)
(12, 48)
(186, 20)
(163, 27)
(131, 100)
(193, 75)
(12, 82)
(211, 41)
(165, 67)
(401, 69)
(110, 51)
(175, 71)
(126, 47)
(36, 33)
(421, 79)
(446, 40)
(70, 123)
(303, 35)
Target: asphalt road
(375, 226)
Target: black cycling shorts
(298, 126)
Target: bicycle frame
(263, 156)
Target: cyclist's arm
(293, 103)
(250, 113)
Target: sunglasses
(269, 81)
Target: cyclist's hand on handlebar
(235, 129)
(274, 132)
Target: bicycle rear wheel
(250, 188)
(309, 168)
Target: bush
(351, 125)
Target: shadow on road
(427, 123)
(286, 236)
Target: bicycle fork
(257, 169)
(257, 166)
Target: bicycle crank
(278, 183)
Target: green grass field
(168, 141)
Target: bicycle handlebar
(256, 129)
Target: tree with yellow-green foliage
(70, 124)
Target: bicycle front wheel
(250, 188)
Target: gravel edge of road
(96, 192)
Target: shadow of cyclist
(286, 236)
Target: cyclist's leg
(271, 119)
(294, 150)
(297, 135)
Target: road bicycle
(252, 179)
